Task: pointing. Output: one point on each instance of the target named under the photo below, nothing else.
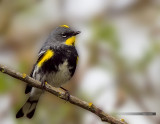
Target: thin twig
(61, 94)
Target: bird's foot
(67, 94)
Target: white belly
(60, 77)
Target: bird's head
(64, 34)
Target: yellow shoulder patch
(77, 60)
(66, 26)
(47, 55)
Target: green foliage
(105, 32)
(6, 83)
(148, 57)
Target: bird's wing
(40, 55)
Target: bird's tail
(28, 108)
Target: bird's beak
(77, 32)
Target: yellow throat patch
(65, 26)
(70, 41)
(47, 55)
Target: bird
(56, 65)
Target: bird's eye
(64, 35)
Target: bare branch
(61, 94)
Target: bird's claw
(67, 94)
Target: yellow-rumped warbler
(56, 65)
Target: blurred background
(119, 63)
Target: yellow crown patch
(66, 26)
